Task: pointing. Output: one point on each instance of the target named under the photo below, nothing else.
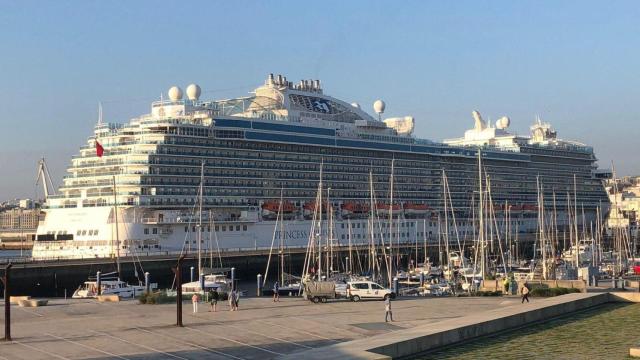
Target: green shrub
(488, 293)
(549, 292)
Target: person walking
(525, 293)
(276, 292)
(213, 300)
(232, 300)
(237, 299)
(387, 309)
(194, 300)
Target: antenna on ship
(378, 107)
(99, 113)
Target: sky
(573, 63)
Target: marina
(359, 180)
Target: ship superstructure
(140, 196)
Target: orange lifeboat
(309, 209)
(270, 209)
(383, 208)
(354, 209)
(415, 210)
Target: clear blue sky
(574, 63)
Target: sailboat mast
(575, 219)
(319, 199)
(446, 223)
(391, 259)
(282, 234)
(200, 219)
(115, 218)
(329, 233)
(481, 217)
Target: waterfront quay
(57, 277)
(261, 329)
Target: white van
(357, 290)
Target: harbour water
(6, 254)
(604, 332)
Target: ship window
(244, 227)
(146, 231)
(155, 231)
(95, 232)
(90, 233)
(230, 227)
(224, 228)
(237, 227)
(193, 228)
(217, 228)
(84, 232)
(79, 232)
(186, 228)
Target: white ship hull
(141, 233)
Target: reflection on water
(4, 254)
(604, 332)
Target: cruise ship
(139, 194)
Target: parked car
(359, 290)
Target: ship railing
(168, 253)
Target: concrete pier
(292, 328)
(261, 329)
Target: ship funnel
(479, 123)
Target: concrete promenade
(84, 329)
(427, 337)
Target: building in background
(624, 194)
(18, 223)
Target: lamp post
(178, 273)
(7, 303)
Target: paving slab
(261, 329)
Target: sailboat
(214, 279)
(289, 285)
(110, 283)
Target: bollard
(594, 281)
(614, 282)
(395, 286)
(233, 278)
(147, 283)
(421, 279)
(622, 284)
(99, 283)
(193, 271)
(259, 285)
